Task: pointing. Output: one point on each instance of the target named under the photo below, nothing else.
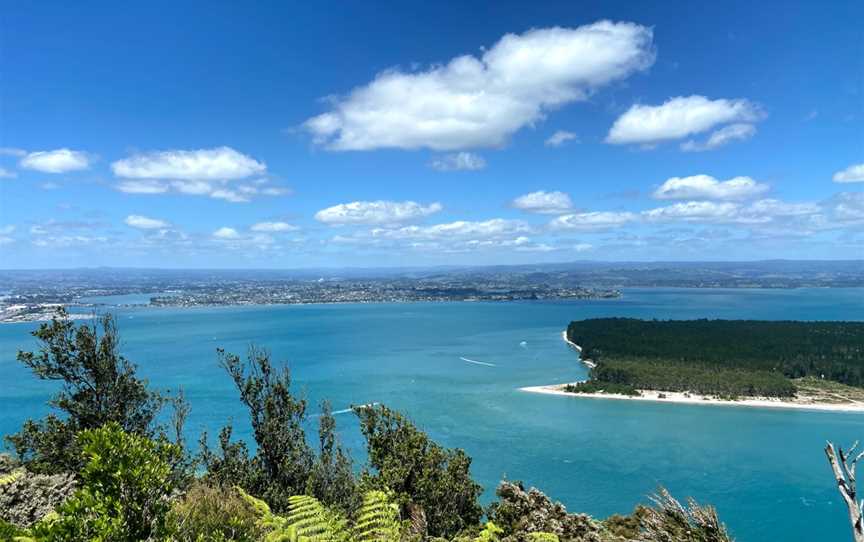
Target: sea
(455, 369)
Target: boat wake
(474, 361)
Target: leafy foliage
(309, 521)
(602, 386)
(670, 521)
(99, 387)
(124, 492)
(834, 350)
(214, 514)
(283, 462)
(419, 471)
(332, 477)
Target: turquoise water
(763, 469)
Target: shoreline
(696, 399)
(587, 362)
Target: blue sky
(340, 134)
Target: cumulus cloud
(145, 223)
(852, 174)
(544, 202)
(723, 136)
(6, 174)
(473, 102)
(375, 212)
(693, 211)
(593, 221)
(459, 161)
(495, 227)
(561, 137)
(219, 173)
(219, 164)
(680, 117)
(56, 161)
(273, 227)
(759, 212)
(226, 233)
(707, 187)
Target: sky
(317, 134)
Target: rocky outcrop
(26, 497)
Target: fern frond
(12, 476)
(377, 519)
(315, 523)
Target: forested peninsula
(810, 362)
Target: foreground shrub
(526, 516)
(26, 497)
(99, 387)
(214, 514)
(124, 492)
(420, 473)
(308, 520)
(283, 464)
(670, 521)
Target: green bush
(125, 489)
(209, 513)
(420, 472)
(99, 387)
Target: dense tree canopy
(722, 357)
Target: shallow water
(763, 468)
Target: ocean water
(763, 469)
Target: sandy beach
(588, 363)
(693, 399)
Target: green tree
(125, 486)
(283, 461)
(420, 472)
(332, 477)
(99, 387)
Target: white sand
(588, 363)
(694, 399)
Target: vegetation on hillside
(122, 480)
(701, 356)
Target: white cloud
(495, 227)
(759, 212)
(707, 187)
(593, 221)
(273, 227)
(226, 233)
(852, 174)
(145, 223)
(218, 164)
(561, 137)
(849, 207)
(679, 117)
(693, 211)
(142, 187)
(727, 134)
(7, 230)
(776, 208)
(56, 161)
(544, 202)
(480, 102)
(375, 212)
(203, 172)
(459, 161)
(6, 174)
(11, 151)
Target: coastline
(695, 399)
(587, 362)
